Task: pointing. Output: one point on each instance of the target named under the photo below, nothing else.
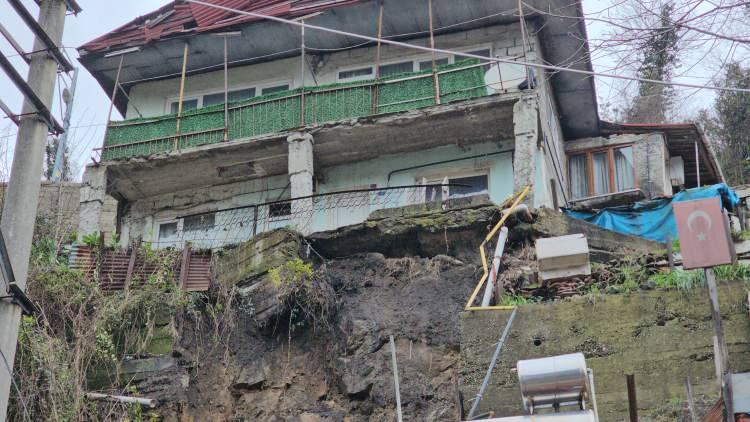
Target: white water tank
(555, 381)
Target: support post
(435, 76)
(302, 76)
(22, 197)
(301, 174)
(670, 253)
(697, 164)
(226, 92)
(632, 400)
(690, 400)
(112, 101)
(400, 417)
(721, 354)
(375, 98)
(59, 167)
(182, 93)
(492, 279)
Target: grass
(686, 280)
(513, 300)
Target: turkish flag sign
(703, 229)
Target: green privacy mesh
(282, 110)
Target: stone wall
(58, 203)
(660, 336)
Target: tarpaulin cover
(653, 219)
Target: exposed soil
(340, 371)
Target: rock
(649, 285)
(446, 261)
(355, 386)
(252, 377)
(309, 417)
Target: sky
(91, 103)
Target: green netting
(281, 111)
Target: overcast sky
(91, 102)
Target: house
(236, 125)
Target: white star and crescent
(699, 214)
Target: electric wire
(467, 55)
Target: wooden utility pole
(22, 197)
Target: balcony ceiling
(461, 123)
(561, 40)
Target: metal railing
(292, 109)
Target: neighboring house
(277, 153)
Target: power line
(302, 24)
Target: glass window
(396, 68)
(601, 172)
(167, 235)
(471, 186)
(579, 184)
(356, 74)
(236, 95)
(624, 172)
(196, 223)
(427, 64)
(280, 210)
(186, 105)
(273, 89)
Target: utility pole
(62, 144)
(22, 197)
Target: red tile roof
(180, 17)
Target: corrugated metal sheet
(118, 268)
(174, 19)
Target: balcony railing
(293, 109)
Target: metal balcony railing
(293, 109)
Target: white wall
(151, 98)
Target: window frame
(611, 179)
(198, 95)
(437, 179)
(159, 243)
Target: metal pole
(720, 345)
(226, 92)
(302, 77)
(691, 401)
(377, 60)
(22, 196)
(435, 77)
(395, 381)
(632, 400)
(58, 169)
(697, 164)
(112, 102)
(182, 93)
(493, 362)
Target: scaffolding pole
(435, 77)
(182, 93)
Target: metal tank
(553, 382)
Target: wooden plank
(185, 265)
(131, 266)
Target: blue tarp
(653, 219)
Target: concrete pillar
(526, 133)
(98, 212)
(301, 174)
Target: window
(356, 74)
(396, 68)
(471, 186)
(186, 105)
(236, 95)
(485, 52)
(199, 223)
(167, 235)
(273, 89)
(280, 210)
(601, 172)
(427, 64)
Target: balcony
(292, 109)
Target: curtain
(579, 186)
(624, 174)
(601, 173)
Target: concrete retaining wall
(660, 336)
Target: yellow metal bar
(483, 254)
(490, 308)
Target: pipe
(436, 163)
(123, 399)
(491, 283)
(493, 362)
(593, 394)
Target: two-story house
(237, 124)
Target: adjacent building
(236, 125)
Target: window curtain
(601, 173)
(579, 187)
(624, 174)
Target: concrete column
(98, 212)
(301, 174)
(526, 132)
